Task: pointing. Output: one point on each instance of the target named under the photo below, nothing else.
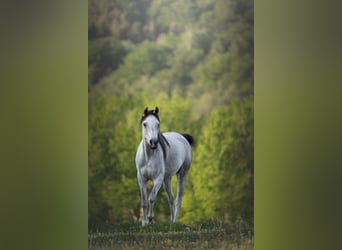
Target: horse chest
(152, 169)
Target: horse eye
(144, 124)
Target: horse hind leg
(180, 189)
(168, 189)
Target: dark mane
(163, 143)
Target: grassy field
(202, 235)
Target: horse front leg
(153, 195)
(143, 192)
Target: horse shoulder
(139, 156)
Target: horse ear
(156, 110)
(145, 111)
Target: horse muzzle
(153, 144)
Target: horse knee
(152, 200)
(144, 204)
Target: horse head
(150, 127)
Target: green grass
(200, 235)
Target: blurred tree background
(194, 60)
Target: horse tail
(189, 138)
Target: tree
(105, 55)
(113, 138)
(222, 172)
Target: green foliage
(192, 59)
(224, 165)
(144, 60)
(112, 142)
(126, 19)
(222, 176)
(105, 55)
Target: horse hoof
(151, 220)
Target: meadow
(200, 235)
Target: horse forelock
(148, 113)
